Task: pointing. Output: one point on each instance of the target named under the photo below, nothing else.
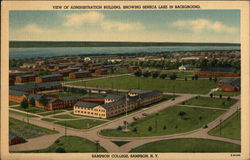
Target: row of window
(76, 111)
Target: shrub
(164, 127)
(119, 128)
(134, 130)
(60, 150)
(150, 128)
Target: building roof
(94, 96)
(28, 87)
(217, 69)
(51, 75)
(225, 80)
(80, 72)
(35, 96)
(137, 91)
(236, 83)
(103, 69)
(70, 98)
(12, 135)
(113, 96)
(16, 93)
(17, 74)
(63, 71)
(27, 75)
(85, 104)
(30, 69)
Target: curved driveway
(92, 134)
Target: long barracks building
(115, 105)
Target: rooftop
(51, 75)
(86, 104)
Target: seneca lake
(33, 52)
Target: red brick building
(217, 72)
(25, 78)
(80, 74)
(14, 139)
(101, 72)
(133, 68)
(49, 78)
(230, 86)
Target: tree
(196, 77)
(164, 127)
(150, 128)
(146, 74)
(182, 114)
(134, 130)
(155, 74)
(163, 76)
(215, 79)
(138, 73)
(119, 128)
(32, 102)
(229, 98)
(173, 76)
(186, 79)
(24, 104)
(210, 78)
(60, 150)
(43, 100)
(220, 95)
(211, 95)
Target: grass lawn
(49, 119)
(120, 143)
(72, 144)
(165, 98)
(188, 145)
(230, 128)
(201, 86)
(211, 102)
(12, 103)
(50, 112)
(65, 116)
(81, 124)
(26, 130)
(21, 114)
(217, 93)
(168, 122)
(179, 74)
(30, 109)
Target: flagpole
(126, 111)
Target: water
(20, 53)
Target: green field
(12, 103)
(26, 130)
(201, 86)
(230, 128)
(179, 74)
(217, 93)
(50, 112)
(188, 145)
(81, 124)
(165, 98)
(72, 144)
(168, 122)
(67, 79)
(211, 102)
(30, 109)
(21, 114)
(64, 116)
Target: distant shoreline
(46, 44)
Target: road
(92, 134)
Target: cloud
(32, 28)
(200, 25)
(120, 26)
(84, 18)
(98, 19)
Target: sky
(221, 26)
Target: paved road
(92, 134)
(102, 77)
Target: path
(92, 134)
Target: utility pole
(65, 128)
(220, 127)
(97, 144)
(126, 100)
